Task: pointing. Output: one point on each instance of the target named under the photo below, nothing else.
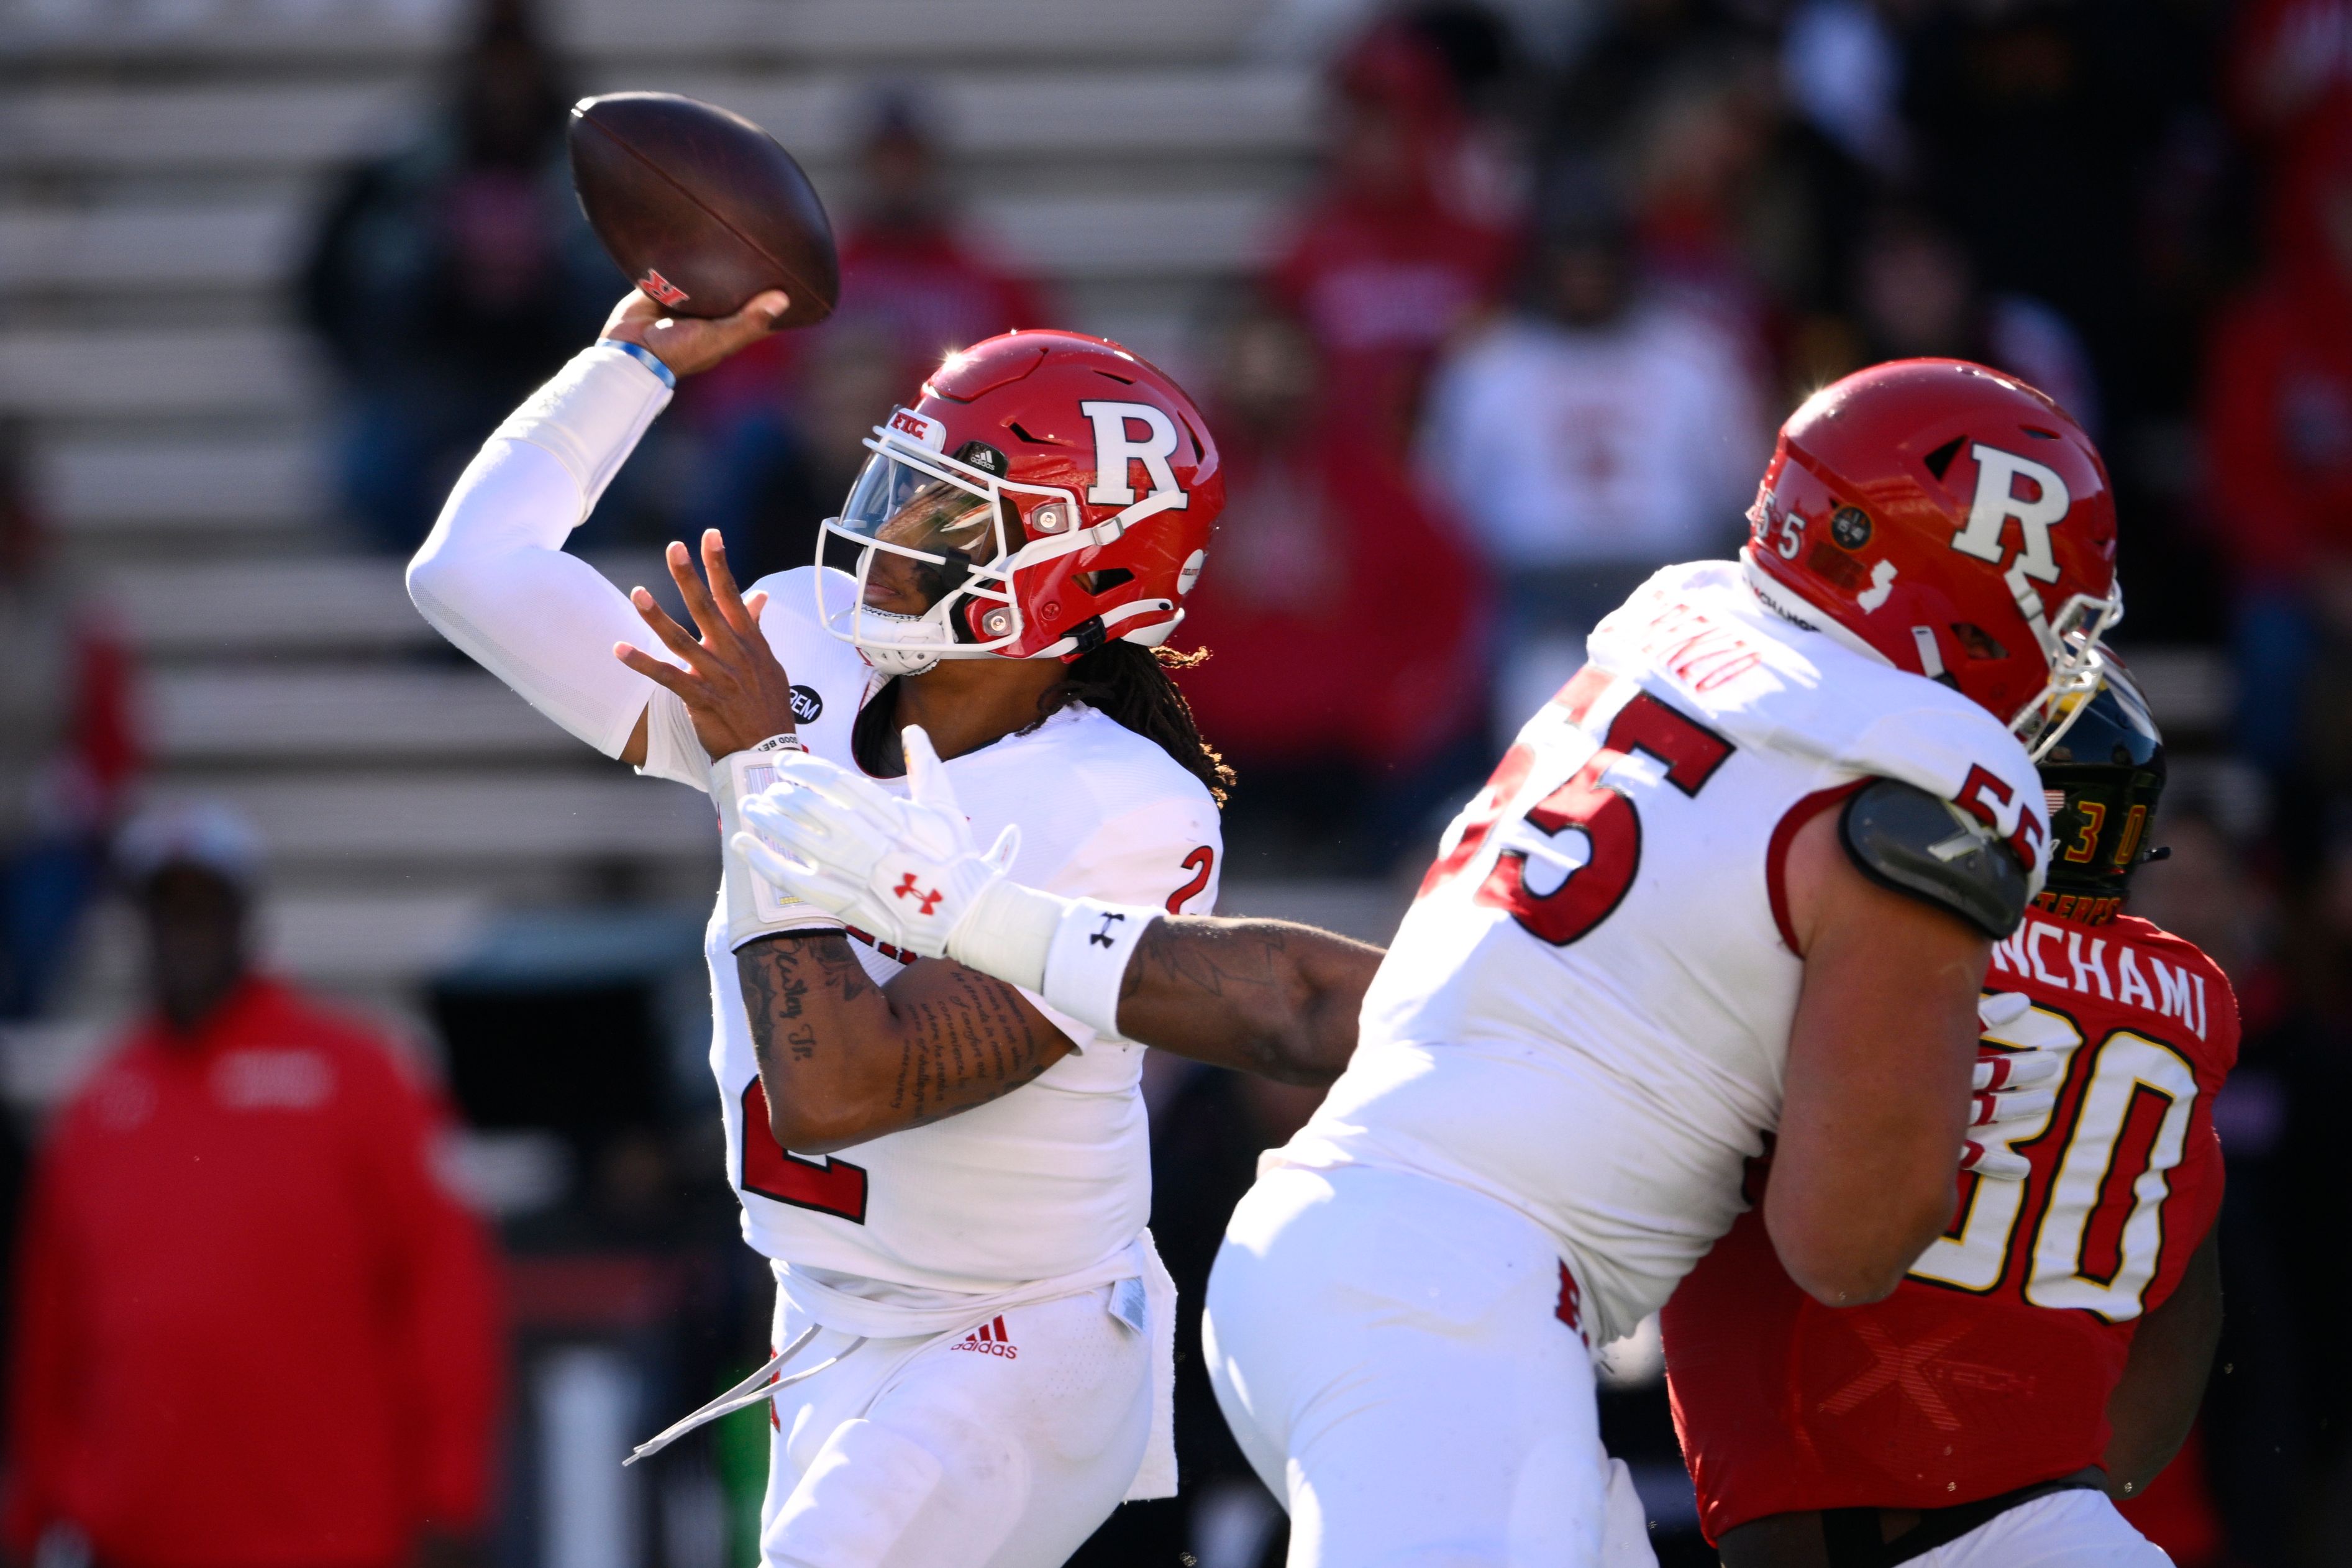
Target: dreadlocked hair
(1128, 682)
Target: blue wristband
(643, 356)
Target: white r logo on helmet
(1997, 501)
(1115, 449)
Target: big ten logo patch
(661, 290)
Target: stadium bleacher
(160, 164)
(160, 167)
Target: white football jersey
(1057, 1175)
(1585, 1012)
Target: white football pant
(1388, 1350)
(2078, 1529)
(974, 1449)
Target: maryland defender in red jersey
(1969, 1415)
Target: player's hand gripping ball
(2014, 1091)
(905, 870)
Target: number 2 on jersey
(827, 1186)
(1588, 891)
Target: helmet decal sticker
(1997, 501)
(1116, 450)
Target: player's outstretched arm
(493, 577)
(1880, 1060)
(2163, 1384)
(844, 1060)
(1264, 996)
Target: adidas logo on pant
(989, 1339)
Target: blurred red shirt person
(913, 278)
(1390, 260)
(2278, 403)
(253, 1330)
(1345, 617)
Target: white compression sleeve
(493, 577)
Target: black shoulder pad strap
(1916, 842)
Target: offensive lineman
(949, 1175)
(1734, 884)
(1965, 1419)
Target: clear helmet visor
(919, 511)
(919, 536)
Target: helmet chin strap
(914, 644)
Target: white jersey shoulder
(1585, 1012)
(1055, 1176)
(1699, 635)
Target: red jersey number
(1587, 892)
(1201, 862)
(827, 1185)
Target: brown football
(701, 208)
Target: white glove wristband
(755, 907)
(1071, 952)
(1085, 968)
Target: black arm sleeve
(1918, 844)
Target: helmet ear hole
(1979, 642)
(1103, 581)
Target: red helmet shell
(1947, 516)
(1084, 416)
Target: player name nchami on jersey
(2075, 960)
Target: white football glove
(902, 869)
(2014, 1091)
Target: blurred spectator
(2278, 424)
(2272, 1423)
(1842, 68)
(2292, 60)
(2036, 125)
(65, 745)
(252, 1327)
(1329, 568)
(1390, 259)
(1625, 64)
(783, 421)
(909, 272)
(775, 466)
(450, 278)
(1916, 295)
(1589, 437)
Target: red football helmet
(1056, 491)
(1954, 521)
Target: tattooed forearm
(843, 1059)
(1265, 997)
(970, 1045)
(1207, 956)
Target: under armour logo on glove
(1102, 937)
(906, 887)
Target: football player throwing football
(949, 1175)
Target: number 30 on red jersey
(2097, 1243)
